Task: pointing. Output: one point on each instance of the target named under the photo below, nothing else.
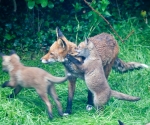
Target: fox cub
(32, 77)
(94, 76)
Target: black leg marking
(69, 106)
(120, 123)
(90, 98)
(15, 92)
(90, 101)
(5, 84)
(50, 115)
(71, 90)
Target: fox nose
(43, 60)
(77, 50)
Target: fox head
(59, 49)
(8, 62)
(84, 48)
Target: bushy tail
(121, 66)
(123, 96)
(55, 79)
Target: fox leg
(5, 84)
(89, 101)
(52, 92)
(107, 68)
(8, 84)
(97, 103)
(12, 85)
(71, 90)
(44, 97)
(15, 91)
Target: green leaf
(69, 28)
(107, 13)
(8, 36)
(31, 4)
(90, 13)
(50, 4)
(77, 7)
(47, 23)
(38, 1)
(61, 0)
(44, 3)
(104, 4)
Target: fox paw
(68, 74)
(89, 107)
(65, 114)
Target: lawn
(28, 109)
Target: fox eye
(74, 47)
(51, 54)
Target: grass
(28, 109)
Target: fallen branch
(129, 35)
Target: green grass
(28, 109)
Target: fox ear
(12, 52)
(86, 41)
(59, 33)
(62, 43)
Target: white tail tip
(144, 66)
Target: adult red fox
(107, 48)
(94, 75)
(32, 77)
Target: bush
(33, 24)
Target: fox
(106, 44)
(95, 77)
(31, 77)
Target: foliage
(32, 27)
